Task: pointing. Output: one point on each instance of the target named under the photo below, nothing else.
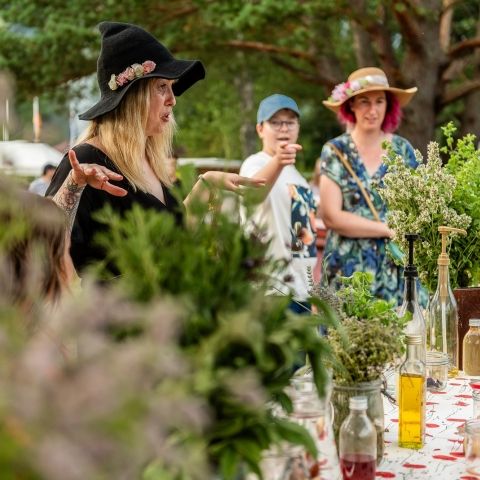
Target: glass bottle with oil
(412, 393)
(471, 349)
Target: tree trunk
(245, 86)
(470, 118)
(421, 67)
(362, 46)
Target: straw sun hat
(129, 54)
(367, 79)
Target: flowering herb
(420, 200)
(130, 73)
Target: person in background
(287, 212)
(352, 169)
(40, 184)
(36, 266)
(128, 140)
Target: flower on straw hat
(366, 80)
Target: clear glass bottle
(471, 349)
(358, 443)
(412, 396)
(443, 311)
(437, 371)
(472, 446)
(410, 303)
(443, 318)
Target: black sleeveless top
(83, 250)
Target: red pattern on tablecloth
(442, 455)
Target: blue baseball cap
(271, 105)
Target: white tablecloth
(442, 457)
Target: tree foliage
(432, 44)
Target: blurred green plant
(243, 344)
(76, 402)
(89, 406)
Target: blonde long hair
(121, 133)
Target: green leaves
(243, 344)
(464, 164)
(295, 434)
(370, 335)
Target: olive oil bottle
(412, 394)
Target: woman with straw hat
(352, 169)
(121, 160)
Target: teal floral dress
(345, 255)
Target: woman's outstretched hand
(231, 181)
(95, 175)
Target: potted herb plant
(369, 340)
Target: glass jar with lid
(437, 371)
(471, 349)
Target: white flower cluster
(419, 202)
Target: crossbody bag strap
(349, 168)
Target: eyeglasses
(278, 124)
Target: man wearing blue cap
(288, 211)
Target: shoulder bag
(394, 250)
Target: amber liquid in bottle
(471, 351)
(412, 411)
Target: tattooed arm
(68, 199)
(81, 175)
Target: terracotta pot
(468, 301)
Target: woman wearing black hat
(121, 159)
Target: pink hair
(393, 115)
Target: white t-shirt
(288, 217)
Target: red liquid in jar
(358, 466)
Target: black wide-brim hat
(125, 45)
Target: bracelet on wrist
(72, 185)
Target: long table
(442, 457)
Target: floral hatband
(345, 90)
(132, 72)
